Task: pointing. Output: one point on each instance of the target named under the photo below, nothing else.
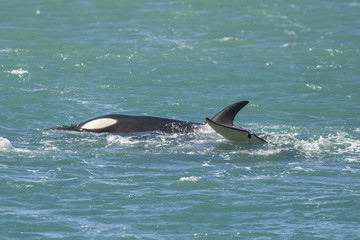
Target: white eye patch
(99, 124)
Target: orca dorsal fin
(227, 115)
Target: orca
(222, 123)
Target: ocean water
(297, 62)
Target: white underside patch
(235, 134)
(99, 124)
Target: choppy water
(297, 63)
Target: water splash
(21, 73)
(284, 142)
(190, 179)
(5, 144)
(311, 143)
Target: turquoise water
(297, 62)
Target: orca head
(98, 124)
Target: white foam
(313, 87)
(206, 164)
(5, 144)
(112, 139)
(6, 50)
(190, 179)
(225, 39)
(20, 72)
(10, 50)
(333, 144)
(352, 159)
(294, 139)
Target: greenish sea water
(297, 62)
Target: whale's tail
(223, 124)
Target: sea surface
(297, 62)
